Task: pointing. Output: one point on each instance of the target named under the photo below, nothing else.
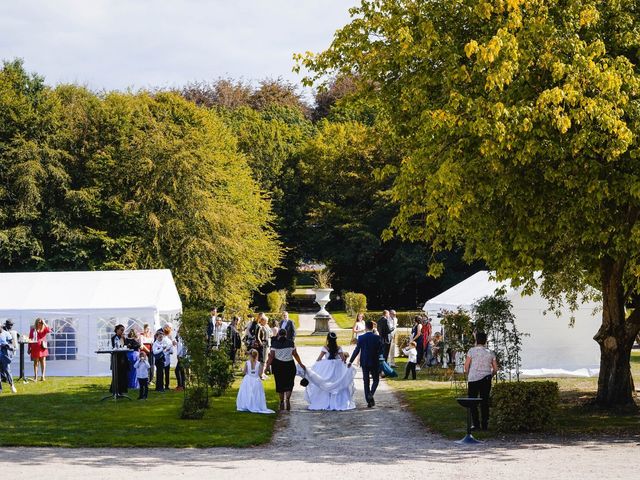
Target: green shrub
(196, 401)
(523, 406)
(277, 300)
(355, 303)
(220, 370)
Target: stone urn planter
(323, 296)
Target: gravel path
(383, 442)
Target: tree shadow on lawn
(385, 435)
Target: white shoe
(13, 389)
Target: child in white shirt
(412, 353)
(142, 373)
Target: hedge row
(405, 319)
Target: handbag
(43, 344)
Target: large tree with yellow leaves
(520, 119)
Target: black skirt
(284, 374)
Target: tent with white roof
(82, 309)
(554, 347)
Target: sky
(121, 44)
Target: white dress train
(251, 396)
(331, 384)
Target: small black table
(468, 403)
(115, 394)
(21, 350)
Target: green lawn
(343, 320)
(344, 338)
(67, 412)
(433, 401)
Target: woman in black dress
(120, 360)
(280, 360)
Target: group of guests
(137, 353)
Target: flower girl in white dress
(251, 396)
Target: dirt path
(384, 442)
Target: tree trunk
(615, 337)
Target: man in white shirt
(218, 333)
(393, 325)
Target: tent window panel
(63, 339)
(106, 329)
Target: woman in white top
(331, 385)
(251, 396)
(480, 366)
(358, 328)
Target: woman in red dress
(38, 349)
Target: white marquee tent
(553, 347)
(82, 309)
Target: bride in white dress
(331, 385)
(251, 396)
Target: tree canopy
(129, 181)
(519, 121)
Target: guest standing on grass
(146, 339)
(412, 357)
(181, 354)
(393, 326)
(6, 356)
(161, 352)
(120, 360)
(38, 349)
(170, 344)
(287, 324)
(133, 344)
(235, 339)
(480, 366)
(281, 356)
(142, 374)
(416, 335)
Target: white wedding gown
(251, 396)
(331, 384)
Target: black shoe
(369, 404)
(373, 402)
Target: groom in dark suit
(369, 348)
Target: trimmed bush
(523, 406)
(220, 370)
(355, 303)
(277, 300)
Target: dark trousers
(151, 364)
(144, 387)
(411, 367)
(480, 388)
(167, 369)
(369, 373)
(386, 347)
(159, 376)
(180, 377)
(420, 350)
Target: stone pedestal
(322, 324)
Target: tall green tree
(520, 121)
(129, 181)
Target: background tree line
(230, 185)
